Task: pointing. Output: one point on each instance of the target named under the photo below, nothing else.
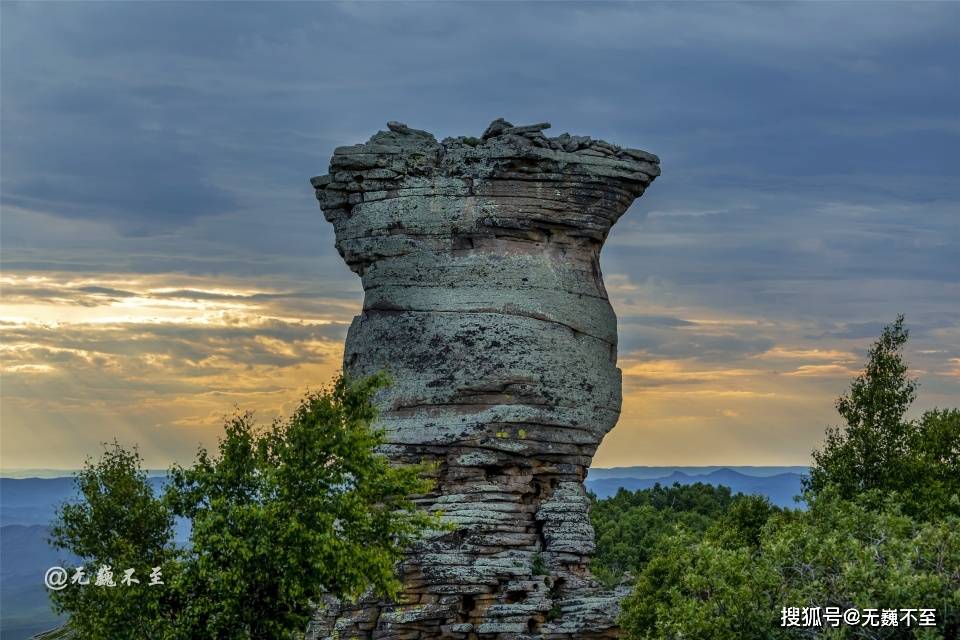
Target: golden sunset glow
(154, 361)
(159, 360)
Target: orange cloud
(787, 353)
(153, 360)
(663, 371)
(822, 370)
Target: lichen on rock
(484, 301)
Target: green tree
(701, 590)
(869, 451)
(933, 477)
(281, 517)
(879, 448)
(882, 531)
(838, 553)
(868, 553)
(118, 524)
(743, 521)
(630, 525)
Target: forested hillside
(875, 555)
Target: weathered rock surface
(485, 302)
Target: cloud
(787, 353)
(656, 321)
(673, 372)
(823, 370)
(159, 233)
(134, 357)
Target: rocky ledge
(484, 300)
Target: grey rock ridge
(485, 303)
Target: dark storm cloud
(156, 116)
(798, 140)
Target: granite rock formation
(484, 301)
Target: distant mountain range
(27, 505)
(597, 473)
(24, 556)
(34, 500)
(779, 484)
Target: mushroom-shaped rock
(480, 263)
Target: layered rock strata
(484, 301)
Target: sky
(164, 261)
